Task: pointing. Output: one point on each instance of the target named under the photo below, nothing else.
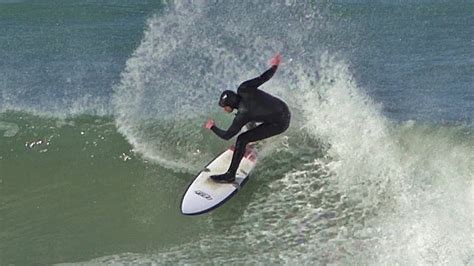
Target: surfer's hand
(275, 61)
(210, 123)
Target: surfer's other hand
(275, 61)
(210, 123)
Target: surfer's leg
(262, 131)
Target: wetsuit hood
(229, 98)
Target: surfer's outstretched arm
(251, 84)
(256, 82)
(236, 126)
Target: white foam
(10, 129)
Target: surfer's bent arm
(251, 84)
(235, 128)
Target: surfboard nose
(197, 201)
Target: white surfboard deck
(204, 194)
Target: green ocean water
(73, 189)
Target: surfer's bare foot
(224, 178)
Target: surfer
(253, 105)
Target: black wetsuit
(255, 106)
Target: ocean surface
(101, 111)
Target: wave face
(363, 175)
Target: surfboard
(204, 194)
